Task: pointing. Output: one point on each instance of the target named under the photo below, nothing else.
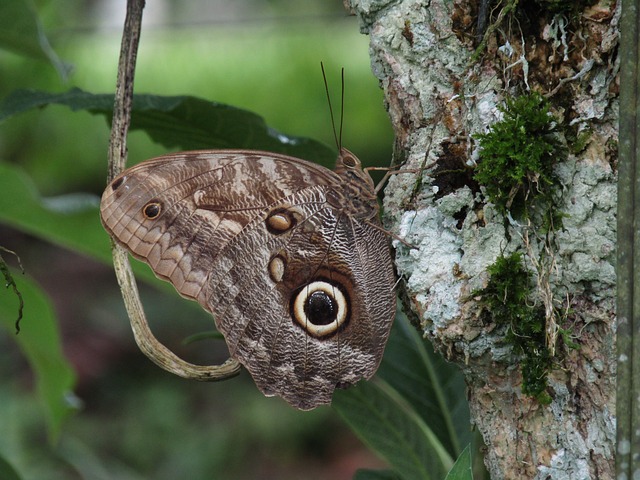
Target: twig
(145, 339)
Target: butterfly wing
(301, 290)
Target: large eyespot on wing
(310, 323)
(321, 307)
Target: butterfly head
(349, 167)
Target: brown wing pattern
(300, 287)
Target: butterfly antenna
(333, 123)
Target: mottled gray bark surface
(438, 97)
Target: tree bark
(445, 67)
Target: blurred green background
(134, 420)
(259, 55)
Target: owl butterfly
(288, 256)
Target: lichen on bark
(444, 81)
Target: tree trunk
(446, 67)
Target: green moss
(518, 154)
(507, 299)
(535, 366)
(508, 288)
(579, 141)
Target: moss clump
(579, 141)
(507, 298)
(518, 153)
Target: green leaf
(433, 387)
(22, 208)
(462, 469)
(39, 340)
(364, 474)
(21, 32)
(183, 122)
(391, 428)
(71, 221)
(7, 472)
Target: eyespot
(320, 308)
(152, 209)
(276, 268)
(281, 220)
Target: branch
(148, 344)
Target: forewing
(205, 200)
